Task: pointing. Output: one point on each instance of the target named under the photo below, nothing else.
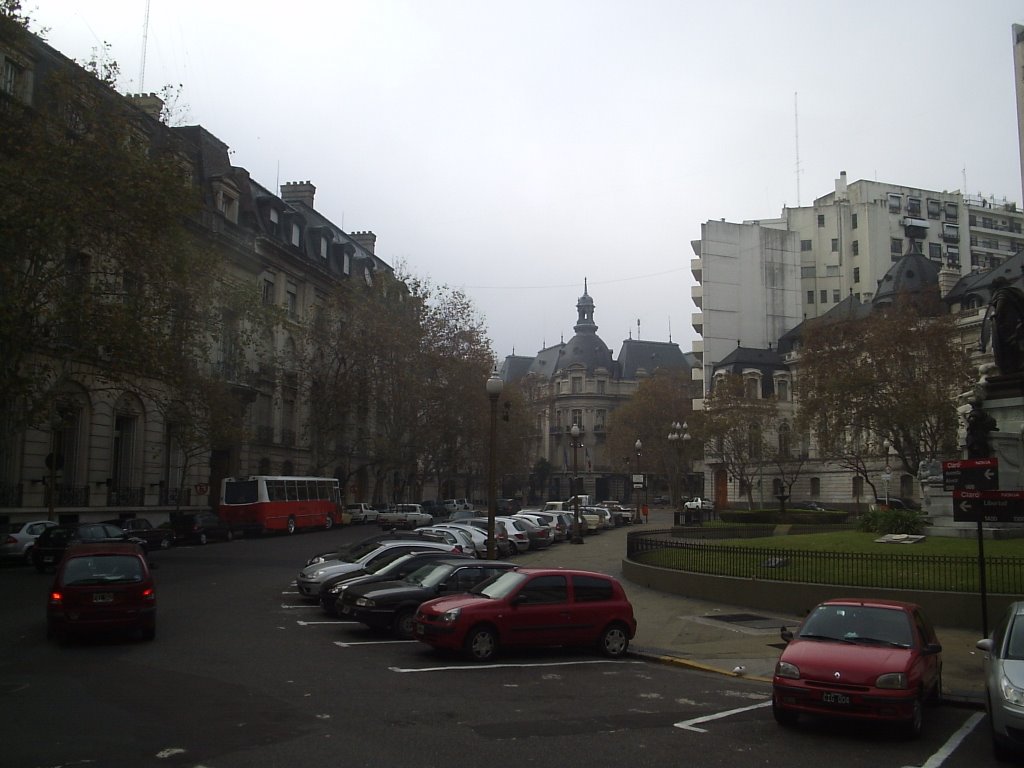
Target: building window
(951, 232)
(293, 301)
(935, 251)
(267, 292)
(274, 219)
(295, 235)
(896, 246)
(858, 487)
(782, 391)
(599, 417)
(895, 202)
(324, 245)
(805, 245)
(831, 271)
(952, 212)
(824, 296)
(856, 247)
(914, 206)
(853, 221)
(810, 297)
(934, 209)
(807, 271)
(821, 220)
(784, 436)
(751, 388)
(953, 256)
(815, 487)
(856, 274)
(577, 418)
(835, 245)
(577, 384)
(835, 295)
(11, 77)
(601, 383)
(915, 247)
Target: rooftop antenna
(638, 329)
(145, 38)
(796, 121)
(670, 329)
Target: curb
(662, 657)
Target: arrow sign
(988, 506)
(970, 474)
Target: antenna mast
(145, 38)
(796, 122)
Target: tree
(737, 429)
(893, 376)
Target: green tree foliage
(893, 375)
(739, 431)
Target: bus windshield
(241, 492)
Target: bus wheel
(329, 522)
(291, 525)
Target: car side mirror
(521, 598)
(930, 649)
(786, 634)
(984, 645)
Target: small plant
(883, 520)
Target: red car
(531, 607)
(100, 587)
(862, 659)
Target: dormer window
(275, 221)
(226, 200)
(324, 246)
(296, 235)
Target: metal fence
(892, 570)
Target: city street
(244, 673)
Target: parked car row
(415, 588)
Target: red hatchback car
(100, 587)
(862, 659)
(531, 607)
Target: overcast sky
(513, 149)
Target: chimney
(298, 192)
(841, 193)
(149, 103)
(948, 278)
(366, 240)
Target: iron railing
(697, 553)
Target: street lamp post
(494, 387)
(679, 437)
(887, 474)
(577, 529)
(639, 453)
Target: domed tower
(585, 348)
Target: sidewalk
(729, 639)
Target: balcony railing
(170, 497)
(68, 496)
(126, 497)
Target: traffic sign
(638, 481)
(970, 474)
(988, 506)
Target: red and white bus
(274, 503)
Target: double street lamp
(577, 529)
(494, 387)
(639, 453)
(680, 438)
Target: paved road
(243, 673)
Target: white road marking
(690, 725)
(341, 644)
(953, 741)
(307, 605)
(507, 666)
(170, 752)
(332, 621)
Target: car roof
(103, 548)
(870, 602)
(563, 572)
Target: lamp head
(494, 384)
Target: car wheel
(291, 525)
(935, 695)
(614, 641)
(405, 625)
(513, 548)
(202, 538)
(481, 643)
(915, 724)
(329, 523)
(784, 717)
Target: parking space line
(304, 605)
(458, 667)
(953, 741)
(335, 622)
(342, 644)
(690, 725)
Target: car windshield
(859, 624)
(429, 575)
(1015, 641)
(501, 586)
(390, 562)
(101, 569)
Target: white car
(518, 537)
(456, 537)
(312, 576)
(478, 537)
(361, 513)
(405, 516)
(17, 544)
(698, 503)
(454, 505)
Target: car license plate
(103, 597)
(840, 699)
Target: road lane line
(507, 666)
(690, 725)
(306, 605)
(336, 622)
(342, 644)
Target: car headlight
(893, 680)
(337, 589)
(787, 670)
(450, 617)
(314, 560)
(365, 602)
(1010, 692)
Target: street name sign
(988, 506)
(970, 474)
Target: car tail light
(10, 540)
(149, 593)
(56, 598)
(457, 549)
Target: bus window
(275, 490)
(240, 492)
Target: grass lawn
(851, 558)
